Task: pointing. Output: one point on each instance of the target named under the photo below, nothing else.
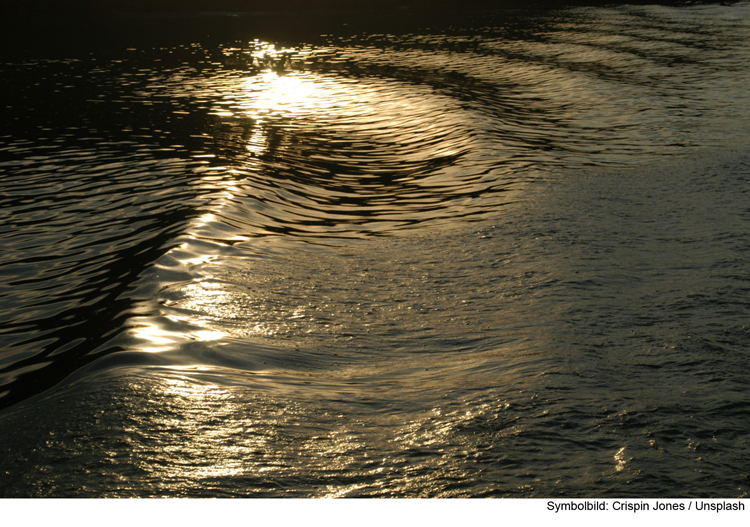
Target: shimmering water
(506, 257)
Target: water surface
(502, 258)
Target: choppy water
(509, 258)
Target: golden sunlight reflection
(267, 114)
(205, 219)
(198, 259)
(211, 299)
(270, 98)
(206, 431)
(159, 339)
(271, 93)
(275, 95)
(620, 459)
(201, 406)
(213, 302)
(256, 144)
(164, 337)
(270, 427)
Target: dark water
(503, 257)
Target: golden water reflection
(207, 433)
(245, 203)
(205, 445)
(158, 338)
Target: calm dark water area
(399, 253)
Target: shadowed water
(506, 258)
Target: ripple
(130, 178)
(338, 157)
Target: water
(505, 255)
